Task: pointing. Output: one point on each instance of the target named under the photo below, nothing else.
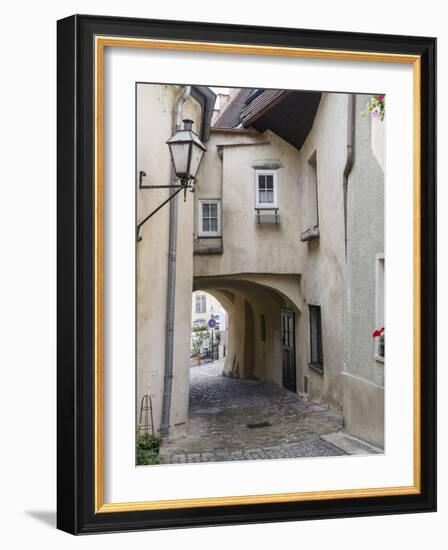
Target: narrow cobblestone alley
(233, 419)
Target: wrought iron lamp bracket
(142, 186)
(182, 185)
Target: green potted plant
(148, 447)
(199, 335)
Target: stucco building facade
(264, 269)
(363, 376)
(164, 265)
(279, 231)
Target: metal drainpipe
(350, 156)
(171, 294)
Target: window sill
(316, 367)
(203, 249)
(267, 215)
(379, 358)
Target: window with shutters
(316, 357)
(209, 218)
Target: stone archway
(249, 413)
(254, 304)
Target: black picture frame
(76, 271)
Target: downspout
(350, 157)
(171, 292)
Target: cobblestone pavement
(284, 425)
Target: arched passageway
(249, 413)
(262, 340)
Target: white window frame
(201, 232)
(380, 295)
(201, 300)
(264, 172)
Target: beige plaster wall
(365, 241)
(249, 247)
(363, 402)
(323, 260)
(363, 409)
(155, 104)
(274, 251)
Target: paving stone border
(314, 446)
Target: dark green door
(288, 350)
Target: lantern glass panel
(179, 152)
(196, 156)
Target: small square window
(201, 303)
(265, 189)
(209, 218)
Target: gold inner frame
(101, 42)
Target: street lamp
(186, 150)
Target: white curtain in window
(266, 189)
(209, 216)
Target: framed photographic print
(246, 274)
